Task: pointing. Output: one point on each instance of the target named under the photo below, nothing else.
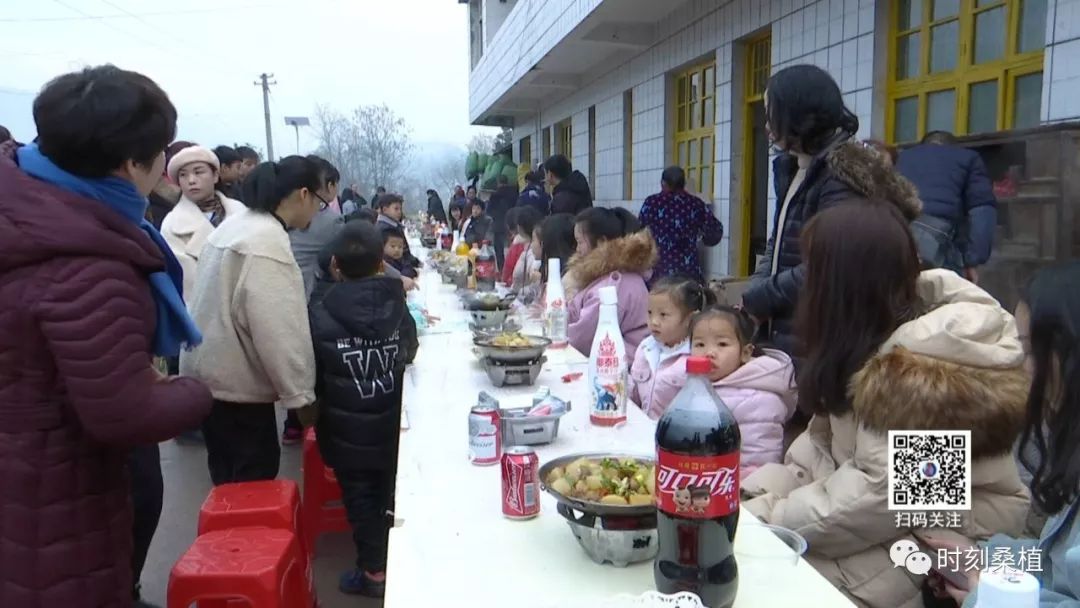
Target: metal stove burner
(513, 374)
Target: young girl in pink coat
(659, 368)
(756, 386)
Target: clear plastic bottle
(555, 318)
(607, 364)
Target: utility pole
(264, 82)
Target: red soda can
(520, 483)
(485, 435)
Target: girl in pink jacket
(756, 386)
(659, 368)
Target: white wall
(495, 13)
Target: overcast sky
(410, 54)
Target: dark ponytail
(609, 224)
(745, 327)
(269, 183)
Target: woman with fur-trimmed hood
(821, 166)
(611, 250)
(890, 349)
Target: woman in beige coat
(201, 208)
(890, 348)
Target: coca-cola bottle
(486, 269)
(697, 492)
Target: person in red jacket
(89, 295)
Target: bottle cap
(609, 295)
(1007, 588)
(554, 267)
(698, 365)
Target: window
(547, 143)
(628, 145)
(525, 150)
(564, 139)
(965, 66)
(592, 148)
(695, 124)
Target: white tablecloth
(453, 546)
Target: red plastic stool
(321, 509)
(267, 504)
(260, 566)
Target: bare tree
(482, 143)
(370, 148)
(505, 139)
(448, 172)
(384, 144)
(338, 143)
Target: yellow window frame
(699, 128)
(565, 142)
(1004, 70)
(758, 68)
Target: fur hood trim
(635, 253)
(901, 390)
(866, 172)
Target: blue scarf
(175, 329)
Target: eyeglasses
(323, 204)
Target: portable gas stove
(512, 374)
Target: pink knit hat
(193, 154)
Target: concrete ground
(187, 483)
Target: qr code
(929, 470)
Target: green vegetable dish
(606, 481)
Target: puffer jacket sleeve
(774, 296)
(838, 514)
(760, 419)
(270, 305)
(93, 318)
(583, 315)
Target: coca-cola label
(698, 487)
(485, 269)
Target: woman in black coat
(435, 207)
(821, 165)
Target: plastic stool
(267, 504)
(260, 566)
(321, 509)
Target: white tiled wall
(837, 35)
(1061, 64)
(532, 29)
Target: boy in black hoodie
(364, 337)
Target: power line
(188, 46)
(128, 15)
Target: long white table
(452, 546)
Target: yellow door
(754, 229)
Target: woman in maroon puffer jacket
(87, 297)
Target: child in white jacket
(756, 386)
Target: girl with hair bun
(249, 298)
(659, 368)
